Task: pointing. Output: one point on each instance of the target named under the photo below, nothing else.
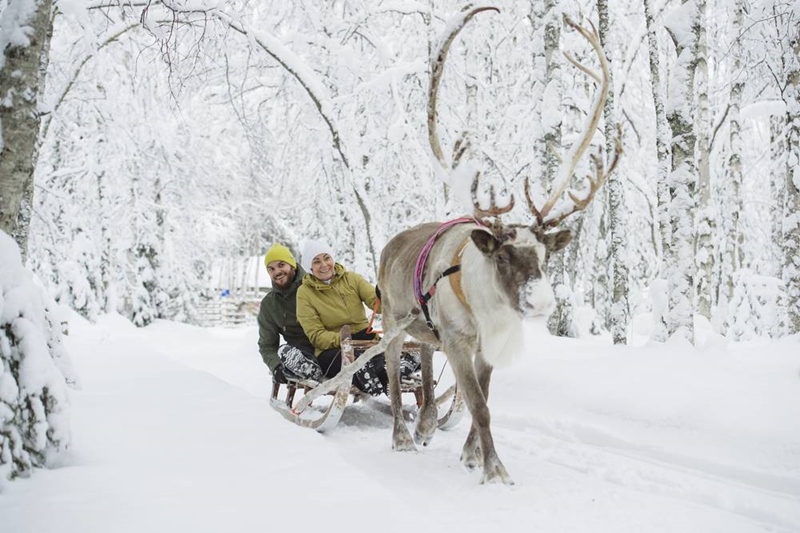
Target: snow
(34, 371)
(15, 30)
(172, 432)
(679, 22)
(763, 108)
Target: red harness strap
(372, 318)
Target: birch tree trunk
(683, 177)
(560, 322)
(662, 176)
(734, 237)
(34, 424)
(19, 114)
(778, 153)
(618, 210)
(107, 297)
(141, 311)
(706, 226)
(791, 210)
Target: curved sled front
(321, 422)
(333, 413)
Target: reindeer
(496, 275)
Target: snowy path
(173, 433)
(770, 501)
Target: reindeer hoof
(471, 462)
(495, 472)
(404, 446)
(471, 456)
(401, 442)
(506, 480)
(423, 438)
(426, 426)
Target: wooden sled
(341, 388)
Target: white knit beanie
(312, 248)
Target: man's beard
(287, 281)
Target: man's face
(281, 274)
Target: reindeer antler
(494, 210)
(439, 57)
(462, 144)
(601, 176)
(544, 216)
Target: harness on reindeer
(455, 268)
(419, 272)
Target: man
(277, 318)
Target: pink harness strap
(422, 260)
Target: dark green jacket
(278, 317)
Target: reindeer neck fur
(498, 323)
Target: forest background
(177, 133)
(143, 141)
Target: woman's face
(322, 267)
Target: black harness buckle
(424, 298)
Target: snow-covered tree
(34, 369)
(732, 254)
(662, 135)
(617, 209)
(34, 421)
(547, 25)
(683, 26)
(25, 29)
(790, 21)
(286, 120)
(706, 213)
(755, 306)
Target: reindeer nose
(538, 298)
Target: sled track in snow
(771, 501)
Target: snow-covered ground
(172, 432)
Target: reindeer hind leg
(401, 436)
(428, 413)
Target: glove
(277, 374)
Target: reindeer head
(519, 258)
(517, 253)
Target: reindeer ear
(557, 241)
(485, 241)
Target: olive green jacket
(323, 309)
(278, 317)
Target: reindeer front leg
(401, 437)
(480, 435)
(472, 455)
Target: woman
(328, 299)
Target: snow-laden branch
(307, 79)
(68, 87)
(295, 66)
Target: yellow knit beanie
(278, 252)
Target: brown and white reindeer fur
(502, 281)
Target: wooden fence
(228, 311)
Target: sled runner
(341, 387)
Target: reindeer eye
(503, 257)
